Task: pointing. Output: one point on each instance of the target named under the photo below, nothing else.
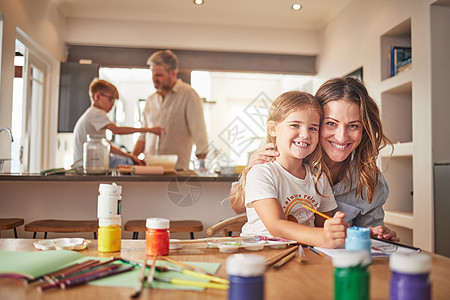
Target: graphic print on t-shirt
(294, 210)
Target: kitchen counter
(181, 196)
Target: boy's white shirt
(93, 121)
(271, 180)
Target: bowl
(174, 246)
(166, 161)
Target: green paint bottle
(351, 275)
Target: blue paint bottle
(246, 276)
(409, 279)
(358, 239)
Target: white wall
(192, 36)
(44, 24)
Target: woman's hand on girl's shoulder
(264, 154)
(335, 230)
(384, 233)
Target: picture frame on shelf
(358, 74)
(401, 59)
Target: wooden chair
(228, 226)
(66, 226)
(190, 226)
(10, 223)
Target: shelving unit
(396, 111)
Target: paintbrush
(141, 280)
(87, 273)
(91, 277)
(81, 269)
(301, 255)
(284, 260)
(206, 240)
(57, 272)
(317, 212)
(151, 275)
(193, 283)
(185, 265)
(279, 256)
(192, 273)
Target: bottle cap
(347, 259)
(358, 232)
(246, 265)
(157, 223)
(110, 189)
(110, 221)
(418, 263)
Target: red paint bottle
(157, 236)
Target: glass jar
(96, 155)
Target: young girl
(275, 192)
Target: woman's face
(341, 130)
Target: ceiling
(255, 13)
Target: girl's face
(298, 134)
(341, 130)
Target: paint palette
(62, 244)
(257, 245)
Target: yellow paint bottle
(109, 235)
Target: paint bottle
(410, 276)
(109, 235)
(109, 201)
(358, 239)
(157, 236)
(109, 208)
(351, 275)
(246, 276)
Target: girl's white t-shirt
(271, 180)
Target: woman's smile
(341, 130)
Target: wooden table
(313, 280)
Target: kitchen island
(179, 196)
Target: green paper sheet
(37, 263)
(34, 264)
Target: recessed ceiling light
(296, 6)
(199, 2)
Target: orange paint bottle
(157, 236)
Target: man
(176, 107)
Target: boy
(95, 121)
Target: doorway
(28, 111)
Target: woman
(351, 136)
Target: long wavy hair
(283, 105)
(373, 138)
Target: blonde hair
(373, 138)
(99, 85)
(283, 105)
